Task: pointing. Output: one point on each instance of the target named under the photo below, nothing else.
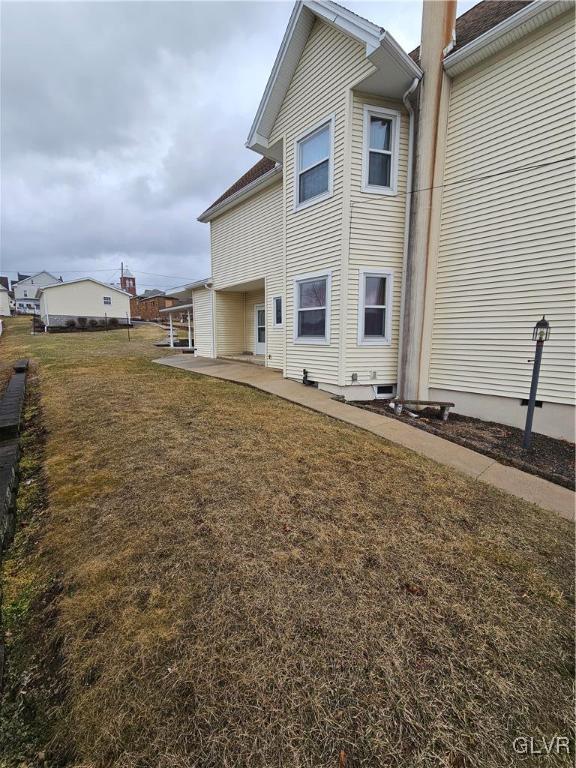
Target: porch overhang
(176, 308)
(245, 287)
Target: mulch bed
(548, 457)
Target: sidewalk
(529, 487)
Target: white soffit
(394, 69)
(509, 31)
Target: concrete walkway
(534, 489)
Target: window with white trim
(312, 309)
(277, 311)
(374, 307)
(314, 165)
(381, 146)
(107, 300)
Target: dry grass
(247, 583)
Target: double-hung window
(107, 300)
(312, 309)
(381, 144)
(314, 165)
(277, 311)
(374, 307)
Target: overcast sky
(122, 122)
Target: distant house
(4, 302)
(147, 306)
(83, 300)
(26, 291)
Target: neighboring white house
(4, 302)
(26, 291)
(380, 254)
(82, 301)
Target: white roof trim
(250, 189)
(504, 34)
(205, 283)
(84, 280)
(376, 40)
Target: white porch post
(171, 331)
(189, 332)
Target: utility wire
(458, 182)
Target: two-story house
(27, 291)
(412, 215)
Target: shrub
(93, 323)
(70, 323)
(82, 322)
(113, 322)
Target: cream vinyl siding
(506, 250)
(84, 299)
(203, 339)
(4, 303)
(247, 245)
(229, 314)
(376, 242)
(330, 63)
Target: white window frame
(375, 341)
(313, 340)
(274, 300)
(107, 303)
(394, 116)
(298, 206)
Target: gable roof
(23, 278)
(479, 19)
(380, 48)
(60, 284)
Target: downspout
(407, 208)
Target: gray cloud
(122, 121)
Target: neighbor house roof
(21, 278)
(60, 284)
(4, 282)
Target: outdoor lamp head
(541, 330)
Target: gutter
(407, 207)
(261, 182)
(507, 32)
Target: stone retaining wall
(11, 406)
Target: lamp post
(540, 334)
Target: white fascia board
(257, 185)
(83, 280)
(515, 27)
(376, 40)
(183, 289)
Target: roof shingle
(479, 19)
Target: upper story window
(314, 163)
(312, 309)
(381, 147)
(107, 300)
(375, 302)
(277, 307)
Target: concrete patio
(547, 495)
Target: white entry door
(260, 330)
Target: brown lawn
(216, 578)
